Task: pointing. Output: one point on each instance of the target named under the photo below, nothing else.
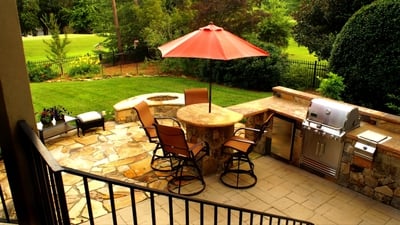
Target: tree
(366, 53)
(117, 28)
(82, 16)
(57, 52)
(233, 15)
(56, 7)
(277, 26)
(28, 11)
(319, 21)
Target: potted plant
(56, 112)
(46, 116)
(59, 112)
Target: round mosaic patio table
(214, 127)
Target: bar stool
(239, 169)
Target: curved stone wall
(162, 104)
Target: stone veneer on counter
(381, 179)
(380, 182)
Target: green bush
(40, 72)
(297, 78)
(84, 65)
(332, 86)
(253, 73)
(366, 53)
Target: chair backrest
(267, 123)
(147, 120)
(172, 140)
(196, 95)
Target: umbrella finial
(211, 23)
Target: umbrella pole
(209, 86)
(209, 98)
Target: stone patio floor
(123, 152)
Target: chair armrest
(247, 129)
(174, 120)
(204, 145)
(147, 127)
(242, 140)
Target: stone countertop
(278, 105)
(390, 147)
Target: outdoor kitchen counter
(391, 146)
(298, 112)
(275, 104)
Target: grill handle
(320, 149)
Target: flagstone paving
(121, 152)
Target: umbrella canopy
(210, 42)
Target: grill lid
(333, 114)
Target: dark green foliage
(254, 73)
(366, 53)
(82, 16)
(40, 72)
(296, 78)
(319, 21)
(394, 101)
(28, 16)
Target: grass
(297, 52)
(101, 95)
(81, 44)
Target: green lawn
(298, 52)
(81, 44)
(101, 95)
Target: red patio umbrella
(210, 42)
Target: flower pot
(59, 118)
(46, 121)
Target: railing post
(315, 74)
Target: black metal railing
(5, 209)
(159, 208)
(312, 69)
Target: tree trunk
(116, 23)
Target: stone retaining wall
(162, 104)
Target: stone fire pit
(161, 104)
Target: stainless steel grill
(324, 128)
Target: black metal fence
(311, 71)
(160, 207)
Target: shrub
(253, 73)
(394, 101)
(40, 72)
(366, 53)
(84, 65)
(332, 86)
(297, 78)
